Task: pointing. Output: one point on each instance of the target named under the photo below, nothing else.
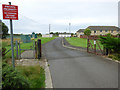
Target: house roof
(103, 28)
(81, 30)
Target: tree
(87, 32)
(39, 34)
(109, 35)
(51, 33)
(72, 34)
(56, 33)
(4, 31)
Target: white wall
(64, 35)
(44, 35)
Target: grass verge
(114, 56)
(34, 74)
(81, 42)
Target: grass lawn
(23, 45)
(81, 42)
(34, 74)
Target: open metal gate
(27, 53)
(94, 46)
(31, 52)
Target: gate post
(17, 49)
(36, 49)
(39, 48)
(107, 51)
(87, 44)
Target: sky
(36, 15)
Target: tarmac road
(77, 69)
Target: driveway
(77, 69)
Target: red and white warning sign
(10, 12)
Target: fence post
(39, 48)
(36, 49)
(17, 49)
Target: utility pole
(12, 46)
(49, 29)
(69, 27)
(66, 30)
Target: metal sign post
(10, 12)
(12, 46)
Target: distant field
(6, 43)
(81, 42)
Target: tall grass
(34, 74)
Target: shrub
(4, 30)
(3, 52)
(111, 43)
(115, 56)
(12, 79)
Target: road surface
(77, 69)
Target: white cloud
(48, 1)
(81, 13)
(76, 21)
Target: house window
(100, 30)
(106, 30)
(111, 31)
(94, 31)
